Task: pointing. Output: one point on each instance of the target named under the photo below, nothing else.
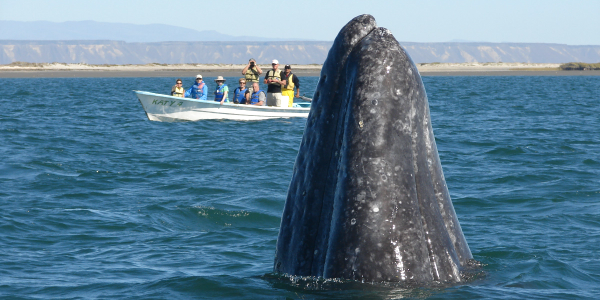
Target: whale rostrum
(368, 200)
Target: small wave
(207, 219)
(203, 286)
(15, 171)
(506, 151)
(88, 195)
(481, 144)
(558, 162)
(239, 218)
(337, 288)
(567, 148)
(524, 178)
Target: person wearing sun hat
(199, 90)
(221, 90)
(273, 79)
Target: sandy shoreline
(30, 70)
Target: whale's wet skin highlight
(99, 202)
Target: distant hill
(92, 30)
(114, 52)
(295, 52)
(501, 52)
(119, 43)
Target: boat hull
(165, 108)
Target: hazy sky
(573, 22)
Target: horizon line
(275, 41)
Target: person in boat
(257, 97)
(177, 90)
(239, 94)
(251, 73)
(292, 82)
(273, 79)
(199, 90)
(221, 90)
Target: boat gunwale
(229, 104)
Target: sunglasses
(242, 83)
(179, 83)
(198, 78)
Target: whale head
(368, 200)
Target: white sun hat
(220, 78)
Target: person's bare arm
(245, 69)
(247, 97)
(224, 97)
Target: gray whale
(368, 200)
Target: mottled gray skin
(368, 200)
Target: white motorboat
(165, 108)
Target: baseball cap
(198, 76)
(275, 61)
(287, 67)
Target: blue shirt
(197, 92)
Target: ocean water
(100, 203)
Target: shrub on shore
(579, 66)
(25, 64)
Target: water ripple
(98, 202)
